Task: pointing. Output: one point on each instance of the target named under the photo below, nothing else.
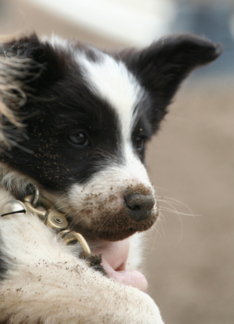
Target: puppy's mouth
(114, 261)
(114, 227)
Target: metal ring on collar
(48, 214)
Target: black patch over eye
(79, 139)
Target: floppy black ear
(162, 66)
(27, 67)
(46, 64)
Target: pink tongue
(127, 277)
(114, 257)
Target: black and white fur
(74, 122)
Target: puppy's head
(86, 120)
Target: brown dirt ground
(190, 259)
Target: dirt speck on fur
(108, 219)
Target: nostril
(139, 205)
(139, 201)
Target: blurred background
(189, 257)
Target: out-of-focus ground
(189, 259)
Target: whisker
(175, 201)
(176, 212)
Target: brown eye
(140, 143)
(79, 139)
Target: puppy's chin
(114, 227)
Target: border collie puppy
(74, 124)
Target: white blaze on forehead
(113, 82)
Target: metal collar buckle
(51, 217)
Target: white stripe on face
(111, 80)
(103, 195)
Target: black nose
(139, 206)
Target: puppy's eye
(140, 143)
(79, 139)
